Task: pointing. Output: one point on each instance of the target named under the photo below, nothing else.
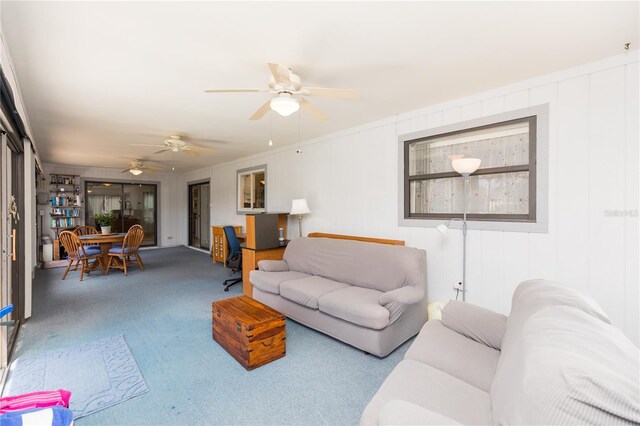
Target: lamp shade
(299, 206)
(466, 166)
(442, 228)
(285, 105)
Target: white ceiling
(98, 76)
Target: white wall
(350, 181)
(171, 202)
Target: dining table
(106, 242)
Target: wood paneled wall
(350, 182)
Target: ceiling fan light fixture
(285, 105)
(135, 171)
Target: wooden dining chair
(79, 254)
(128, 250)
(87, 230)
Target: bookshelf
(65, 201)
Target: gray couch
(369, 295)
(555, 360)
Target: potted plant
(105, 220)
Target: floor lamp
(464, 166)
(299, 206)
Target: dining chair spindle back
(79, 254)
(129, 249)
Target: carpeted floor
(164, 314)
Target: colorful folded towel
(54, 416)
(41, 399)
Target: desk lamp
(299, 206)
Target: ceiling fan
(176, 144)
(290, 94)
(136, 168)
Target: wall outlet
(169, 238)
(457, 286)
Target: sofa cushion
(529, 298)
(572, 368)
(534, 295)
(480, 324)
(273, 265)
(306, 291)
(403, 413)
(433, 389)
(357, 305)
(455, 354)
(380, 267)
(270, 281)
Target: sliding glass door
(199, 230)
(131, 204)
(12, 243)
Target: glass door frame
(12, 272)
(190, 186)
(94, 182)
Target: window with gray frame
(252, 189)
(502, 189)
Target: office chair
(234, 258)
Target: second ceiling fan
(175, 143)
(287, 85)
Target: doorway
(12, 228)
(199, 200)
(130, 203)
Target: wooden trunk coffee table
(253, 333)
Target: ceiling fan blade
(149, 170)
(125, 171)
(280, 74)
(152, 169)
(161, 151)
(201, 148)
(313, 110)
(236, 90)
(145, 144)
(189, 152)
(261, 111)
(202, 142)
(331, 93)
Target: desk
(219, 249)
(105, 242)
(250, 259)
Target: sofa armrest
(273, 266)
(407, 295)
(476, 323)
(404, 413)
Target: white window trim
(542, 171)
(246, 171)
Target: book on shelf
(62, 222)
(63, 201)
(63, 180)
(65, 212)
